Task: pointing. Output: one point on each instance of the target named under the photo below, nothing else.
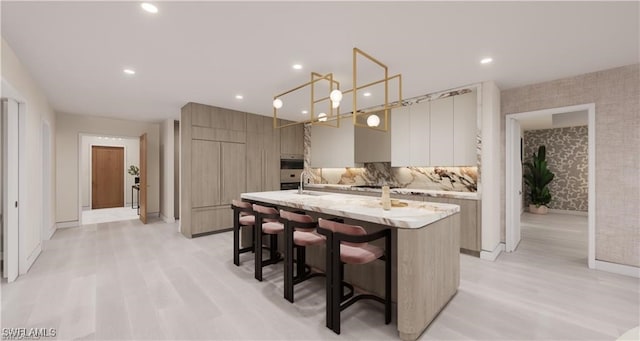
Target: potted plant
(538, 177)
(135, 171)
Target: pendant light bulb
(277, 103)
(336, 96)
(373, 121)
(322, 117)
(335, 104)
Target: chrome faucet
(301, 188)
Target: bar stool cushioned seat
(349, 244)
(267, 220)
(242, 217)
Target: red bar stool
(299, 232)
(242, 216)
(266, 224)
(349, 244)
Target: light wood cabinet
(263, 154)
(213, 160)
(470, 222)
(441, 132)
(292, 140)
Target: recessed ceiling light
(129, 71)
(304, 112)
(239, 97)
(486, 60)
(149, 7)
(366, 94)
(297, 66)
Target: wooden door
(143, 178)
(107, 177)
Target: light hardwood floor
(125, 280)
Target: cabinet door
(333, 147)
(419, 133)
(400, 137)
(468, 224)
(441, 129)
(465, 129)
(271, 156)
(254, 161)
(292, 139)
(233, 180)
(205, 173)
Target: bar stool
(349, 244)
(299, 232)
(242, 217)
(266, 224)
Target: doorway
(513, 172)
(107, 177)
(120, 200)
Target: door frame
(47, 227)
(79, 168)
(512, 213)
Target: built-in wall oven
(291, 167)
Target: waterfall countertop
(406, 191)
(415, 214)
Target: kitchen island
(426, 239)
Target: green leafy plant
(537, 177)
(133, 170)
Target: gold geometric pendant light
(325, 97)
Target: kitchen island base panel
(428, 270)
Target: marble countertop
(416, 214)
(406, 191)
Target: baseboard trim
(620, 269)
(52, 230)
(31, 259)
(492, 255)
(67, 224)
(569, 212)
(167, 220)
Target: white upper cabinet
(333, 147)
(420, 134)
(465, 130)
(400, 137)
(410, 135)
(441, 130)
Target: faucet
(301, 188)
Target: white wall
(132, 152)
(490, 167)
(17, 83)
(68, 129)
(176, 169)
(167, 170)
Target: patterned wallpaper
(567, 157)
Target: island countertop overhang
(416, 214)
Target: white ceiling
(208, 52)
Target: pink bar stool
(349, 244)
(299, 232)
(242, 216)
(266, 224)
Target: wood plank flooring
(125, 280)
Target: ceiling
(208, 52)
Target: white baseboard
(620, 269)
(167, 220)
(32, 258)
(67, 224)
(579, 213)
(492, 255)
(52, 230)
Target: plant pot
(136, 180)
(542, 209)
